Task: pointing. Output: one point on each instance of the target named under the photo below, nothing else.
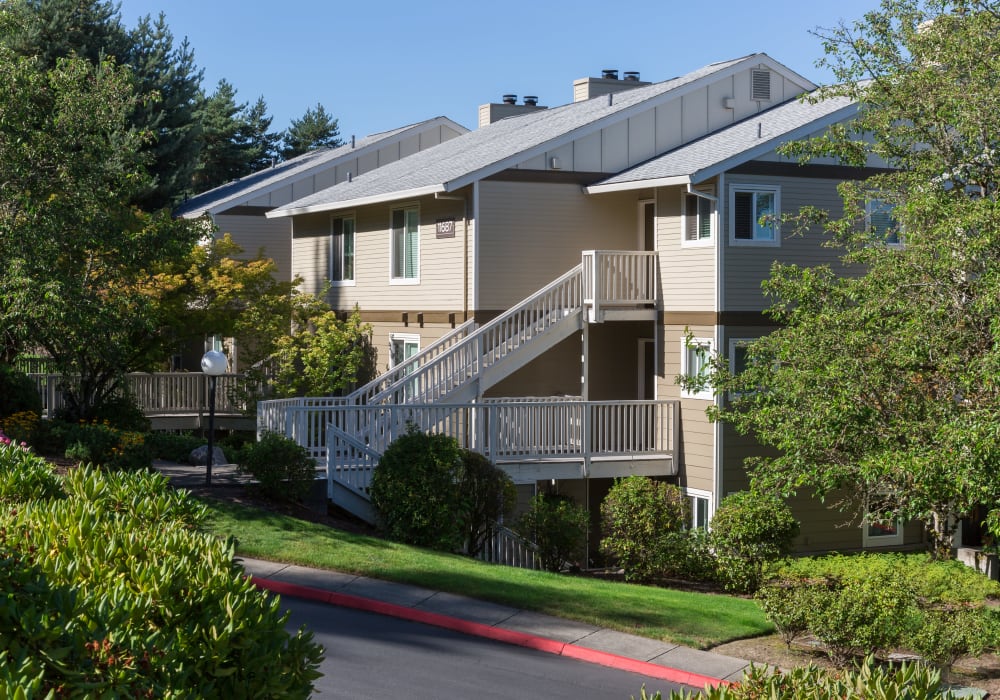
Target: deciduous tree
(883, 386)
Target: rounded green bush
(638, 517)
(487, 494)
(558, 528)
(415, 491)
(17, 393)
(749, 531)
(282, 467)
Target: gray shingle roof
(495, 147)
(740, 142)
(255, 184)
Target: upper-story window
(342, 250)
(695, 356)
(698, 219)
(881, 221)
(406, 245)
(753, 215)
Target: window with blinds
(698, 216)
(881, 222)
(406, 244)
(753, 214)
(342, 249)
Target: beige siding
(442, 260)
(382, 332)
(613, 357)
(681, 118)
(257, 234)
(746, 266)
(531, 233)
(687, 273)
(697, 433)
(555, 373)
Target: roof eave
(638, 184)
(358, 202)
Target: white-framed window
(880, 534)
(738, 357)
(700, 508)
(402, 346)
(342, 239)
(405, 246)
(753, 215)
(697, 220)
(695, 355)
(881, 222)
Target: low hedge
(108, 588)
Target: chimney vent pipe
(632, 75)
(610, 74)
(509, 99)
(531, 100)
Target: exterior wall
(556, 373)
(256, 234)
(683, 118)
(530, 233)
(687, 272)
(441, 260)
(614, 359)
(697, 433)
(382, 332)
(747, 265)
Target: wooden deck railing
(160, 393)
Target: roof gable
(295, 170)
(514, 141)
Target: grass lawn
(695, 619)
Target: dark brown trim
(245, 211)
(744, 318)
(412, 318)
(565, 177)
(830, 172)
(713, 318)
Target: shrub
(786, 604)
(638, 516)
(106, 446)
(175, 447)
(867, 680)
(17, 393)
(22, 426)
(945, 634)
(25, 477)
(414, 491)
(749, 531)
(558, 528)
(857, 617)
(111, 591)
(282, 467)
(487, 495)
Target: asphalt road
(374, 656)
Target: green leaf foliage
(415, 491)
(869, 679)
(558, 528)
(639, 516)
(488, 495)
(111, 590)
(750, 531)
(283, 468)
(881, 382)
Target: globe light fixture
(213, 363)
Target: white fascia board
(358, 202)
(639, 184)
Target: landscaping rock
(199, 455)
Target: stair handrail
(477, 354)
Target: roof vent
(609, 74)
(509, 99)
(760, 85)
(632, 75)
(531, 100)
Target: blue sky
(376, 64)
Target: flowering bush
(106, 446)
(20, 426)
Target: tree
(73, 247)
(881, 386)
(315, 129)
(166, 78)
(235, 138)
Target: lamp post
(213, 363)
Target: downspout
(720, 295)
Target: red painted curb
(478, 629)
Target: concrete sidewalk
(661, 660)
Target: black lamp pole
(211, 428)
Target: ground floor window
(699, 502)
